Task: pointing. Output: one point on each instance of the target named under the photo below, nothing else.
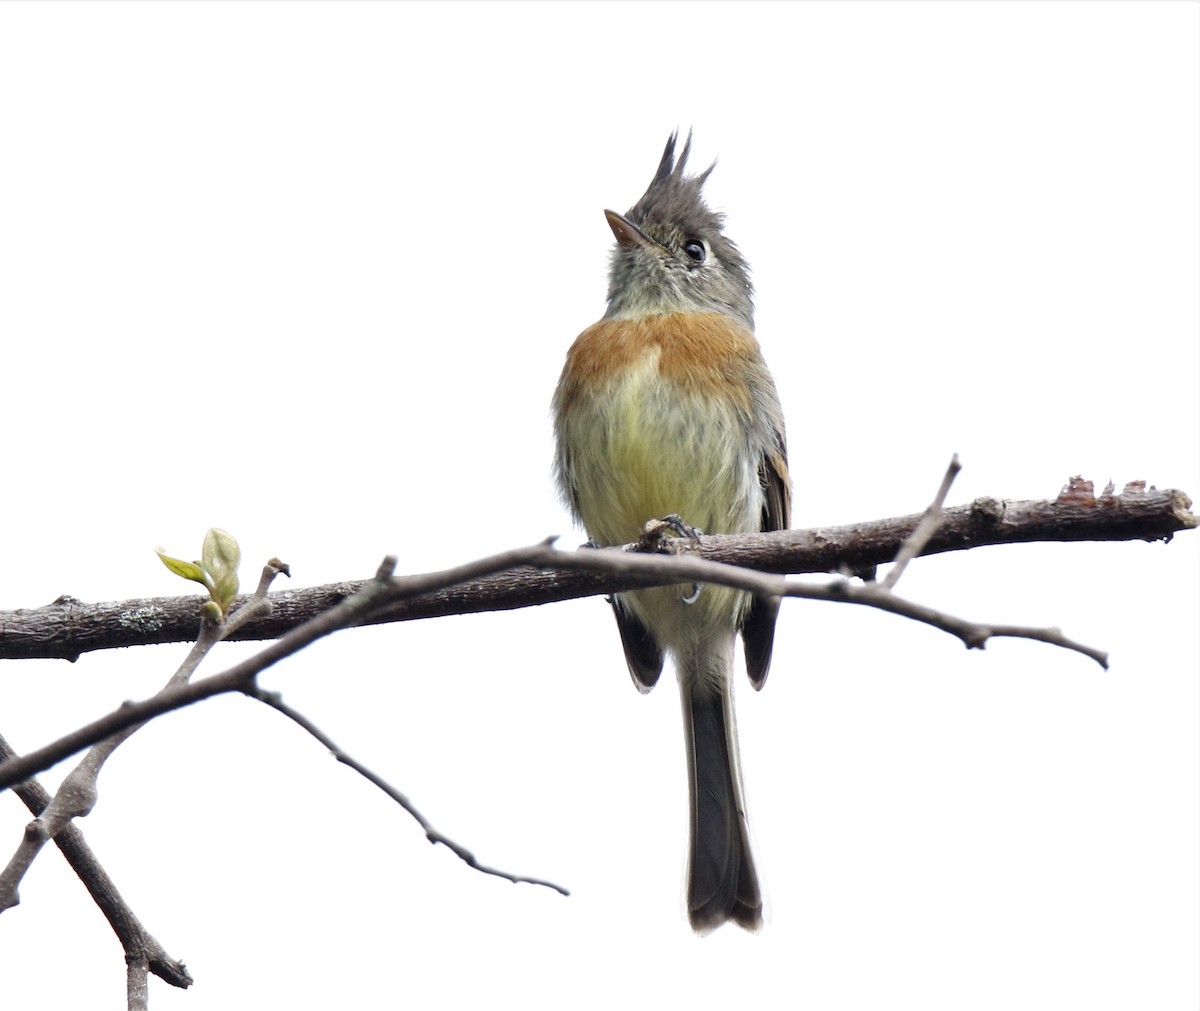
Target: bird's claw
(654, 539)
(675, 522)
(653, 532)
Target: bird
(666, 411)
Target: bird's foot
(652, 533)
(654, 539)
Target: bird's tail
(721, 882)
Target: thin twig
(134, 937)
(275, 701)
(689, 569)
(974, 635)
(137, 984)
(929, 523)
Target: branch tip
(929, 523)
(275, 701)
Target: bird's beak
(628, 234)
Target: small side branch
(137, 941)
(275, 701)
(974, 635)
(686, 568)
(930, 522)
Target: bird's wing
(758, 628)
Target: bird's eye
(695, 250)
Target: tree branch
(68, 627)
(138, 942)
(353, 610)
(609, 570)
(927, 526)
(275, 701)
(76, 795)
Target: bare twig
(691, 569)
(136, 940)
(275, 701)
(137, 984)
(69, 627)
(930, 520)
(974, 635)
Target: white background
(308, 272)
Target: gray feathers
(688, 264)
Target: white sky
(308, 272)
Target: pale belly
(642, 452)
(649, 452)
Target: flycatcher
(665, 408)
